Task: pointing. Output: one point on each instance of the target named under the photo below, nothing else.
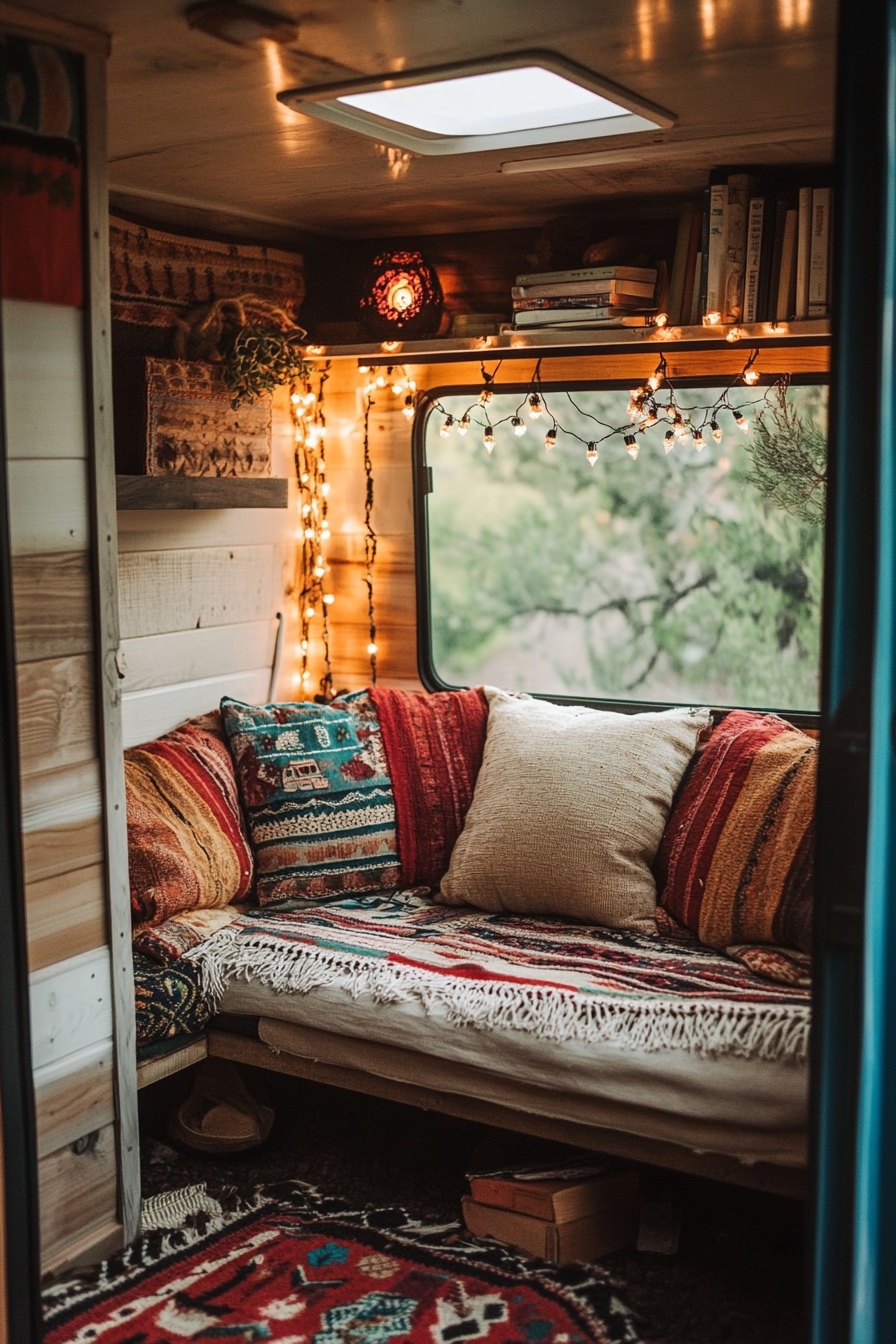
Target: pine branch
(789, 460)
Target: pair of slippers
(220, 1115)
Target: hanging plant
(258, 343)
(789, 459)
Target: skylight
(531, 98)
(492, 104)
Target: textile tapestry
(186, 845)
(316, 789)
(40, 173)
(170, 1001)
(300, 1268)
(434, 747)
(559, 980)
(735, 864)
(159, 276)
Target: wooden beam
(202, 492)
(163, 1066)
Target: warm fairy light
(325, 488)
(389, 347)
(550, 439)
(669, 440)
(654, 381)
(741, 421)
(699, 441)
(715, 430)
(315, 349)
(463, 424)
(296, 398)
(407, 409)
(329, 599)
(535, 406)
(372, 648)
(485, 396)
(488, 438)
(363, 368)
(518, 426)
(733, 335)
(448, 425)
(661, 319)
(592, 454)
(309, 613)
(380, 380)
(712, 319)
(398, 387)
(751, 377)
(631, 446)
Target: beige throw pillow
(569, 810)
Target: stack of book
(751, 255)
(595, 296)
(560, 1214)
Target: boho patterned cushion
(187, 848)
(569, 810)
(316, 789)
(169, 1000)
(735, 864)
(434, 746)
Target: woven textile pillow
(433, 745)
(318, 798)
(187, 848)
(569, 810)
(735, 864)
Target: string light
(550, 438)
(407, 409)
(535, 406)
(463, 424)
(715, 430)
(631, 446)
(488, 439)
(445, 431)
(518, 426)
(733, 335)
(592, 454)
(369, 541)
(485, 396)
(669, 440)
(741, 421)
(699, 441)
(306, 402)
(751, 375)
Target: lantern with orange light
(401, 296)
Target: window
(681, 577)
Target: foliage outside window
(692, 577)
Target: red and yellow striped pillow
(735, 863)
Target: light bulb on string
(309, 613)
(398, 387)
(380, 380)
(463, 424)
(447, 427)
(715, 430)
(309, 533)
(372, 648)
(699, 441)
(592, 454)
(751, 377)
(518, 426)
(649, 420)
(485, 396)
(488, 438)
(669, 440)
(631, 446)
(742, 422)
(329, 599)
(550, 438)
(535, 406)
(407, 409)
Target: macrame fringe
(703, 1026)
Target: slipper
(220, 1116)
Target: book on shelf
(786, 303)
(675, 305)
(567, 317)
(647, 274)
(593, 300)
(741, 187)
(704, 253)
(820, 253)
(643, 289)
(753, 258)
(717, 248)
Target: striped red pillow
(735, 863)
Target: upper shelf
(595, 341)
(202, 492)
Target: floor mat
(301, 1268)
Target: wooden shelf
(596, 341)
(202, 492)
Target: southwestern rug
(298, 1267)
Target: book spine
(787, 281)
(695, 314)
(704, 254)
(740, 186)
(819, 300)
(718, 248)
(763, 313)
(647, 274)
(777, 254)
(679, 264)
(687, 302)
(753, 260)
(582, 301)
(583, 288)
(545, 317)
(804, 243)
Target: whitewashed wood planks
(48, 507)
(190, 655)
(173, 530)
(71, 1007)
(148, 714)
(56, 700)
(162, 591)
(43, 360)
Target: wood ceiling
(194, 120)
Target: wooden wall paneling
(53, 605)
(44, 369)
(73, 1104)
(56, 713)
(189, 655)
(163, 591)
(66, 915)
(169, 530)
(149, 714)
(48, 505)
(125, 1136)
(61, 797)
(51, 850)
(71, 1006)
(78, 1193)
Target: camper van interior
(449, 593)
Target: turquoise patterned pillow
(318, 798)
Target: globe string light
(655, 403)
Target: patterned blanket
(557, 980)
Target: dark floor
(737, 1277)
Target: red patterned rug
(301, 1268)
